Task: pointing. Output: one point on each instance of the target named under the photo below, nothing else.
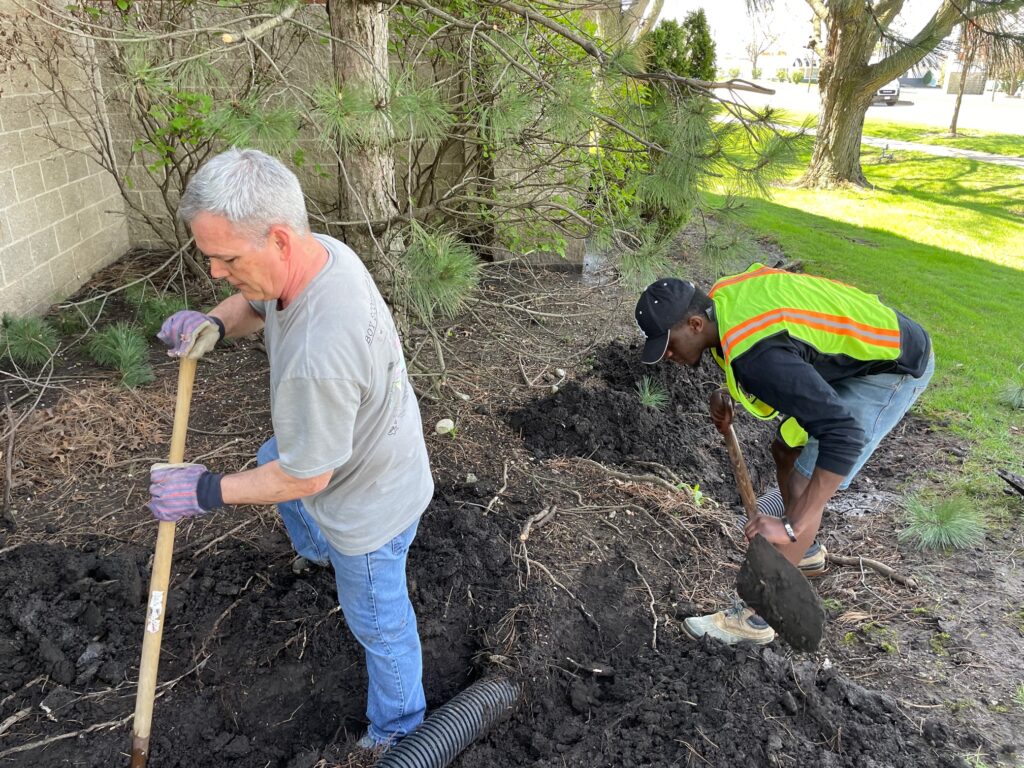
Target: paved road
(917, 106)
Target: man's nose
(217, 270)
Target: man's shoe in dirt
(302, 565)
(814, 562)
(738, 624)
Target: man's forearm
(268, 484)
(239, 318)
(785, 457)
(805, 509)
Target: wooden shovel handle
(159, 581)
(739, 465)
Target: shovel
(768, 582)
(159, 581)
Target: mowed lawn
(942, 240)
(1009, 144)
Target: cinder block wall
(61, 217)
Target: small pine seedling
(28, 341)
(947, 523)
(121, 346)
(652, 394)
(1018, 696)
(1013, 396)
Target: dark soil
(264, 670)
(600, 416)
(781, 595)
(258, 671)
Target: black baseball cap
(662, 304)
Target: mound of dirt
(703, 704)
(256, 667)
(600, 416)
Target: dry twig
(8, 458)
(646, 478)
(874, 565)
(544, 516)
(654, 613)
(504, 485)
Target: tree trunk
(846, 93)
(366, 175)
(969, 49)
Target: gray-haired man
(347, 465)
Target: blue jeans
(878, 403)
(374, 599)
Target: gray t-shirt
(340, 400)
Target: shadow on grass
(953, 183)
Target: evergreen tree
(683, 49)
(699, 45)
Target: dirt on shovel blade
(781, 595)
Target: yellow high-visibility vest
(832, 317)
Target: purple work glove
(178, 491)
(190, 334)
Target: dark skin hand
(721, 410)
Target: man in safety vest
(841, 366)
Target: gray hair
(250, 189)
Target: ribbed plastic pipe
(453, 727)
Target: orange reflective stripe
(745, 276)
(761, 273)
(837, 324)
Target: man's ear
(696, 323)
(282, 238)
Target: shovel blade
(781, 595)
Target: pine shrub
(946, 523)
(122, 347)
(28, 341)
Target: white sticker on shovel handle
(156, 611)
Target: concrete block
(17, 261)
(5, 230)
(74, 196)
(55, 173)
(68, 235)
(77, 166)
(11, 152)
(49, 207)
(23, 219)
(28, 181)
(43, 245)
(7, 194)
(36, 145)
(14, 113)
(88, 222)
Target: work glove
(190, 334)
(178, 491)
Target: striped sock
(771, 504)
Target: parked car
(889, 93)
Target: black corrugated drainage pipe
(454, 726)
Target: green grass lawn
(977, 141)
(942, 240)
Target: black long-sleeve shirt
(797, 380)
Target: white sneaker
(738, 624)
